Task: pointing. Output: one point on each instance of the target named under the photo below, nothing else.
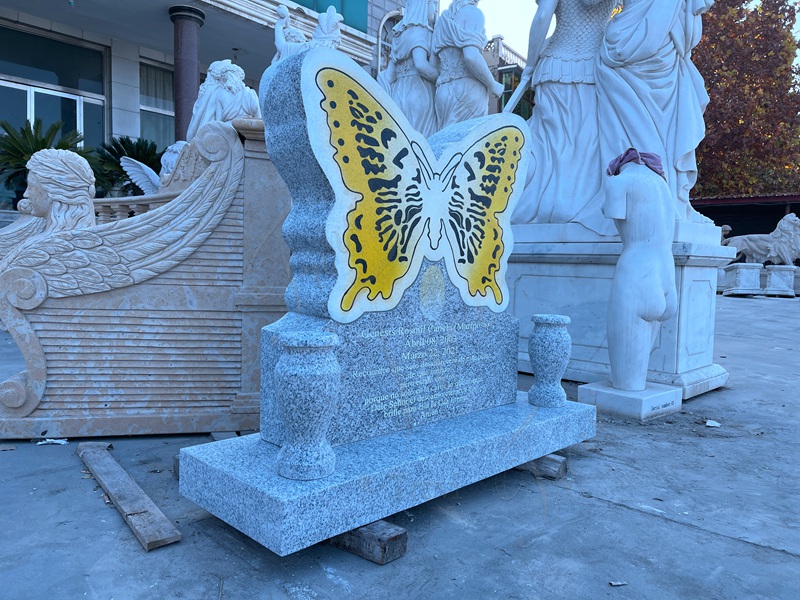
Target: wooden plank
(147, 522)
(551, 466)
(379, 542)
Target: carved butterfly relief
(396, 203)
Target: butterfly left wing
(481, 191)
(378, 220)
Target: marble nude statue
(464, 82)
(781, 247)
(410, 77)
(643, 292)
(289, 40)
(223, 96)
(650, 93)
(566, 170)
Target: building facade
(109, 69)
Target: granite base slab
(236, 479)
(654, 401)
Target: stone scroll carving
(781, 247)
(90, 260)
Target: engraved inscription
(433, 369)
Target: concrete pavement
(673, 509)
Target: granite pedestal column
(187, 21)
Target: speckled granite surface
(236, 479)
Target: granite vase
(549, 348)
(307, 385)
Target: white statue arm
(423, 65)
(537, 38)
(480, 70)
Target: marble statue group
(604, 84)
(436, 73)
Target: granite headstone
(399, 248)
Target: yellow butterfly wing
(377, 163)
(478, 214)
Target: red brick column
(187, 23)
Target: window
(353, 11)
(510, 77)
(43, 78)
(156, 105)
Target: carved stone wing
(143, 176)
(25, 227)
(122, 253)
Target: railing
(116, 209)
(506, 54)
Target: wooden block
(222, 435)
(379, 542)
(147, 522)
(551, 466)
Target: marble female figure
(565, 176)
(410, 77)
(650, 94)
(465, 81)
(60, 190)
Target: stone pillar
(188, 21)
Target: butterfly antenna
(451, 166)
(427, 171)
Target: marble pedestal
(654, 401)
(780, 281)
(237, 481)
(742, 279)
(567, 269)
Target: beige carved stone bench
(151, 324)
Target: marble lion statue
(781, 247)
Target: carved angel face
(36, 199)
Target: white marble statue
(566, 171)
(464, 82)
(289, 40)
(650, 94)
(643, 292)
(781, 247)
(223, 96)
(410, 77)
(145, 178)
